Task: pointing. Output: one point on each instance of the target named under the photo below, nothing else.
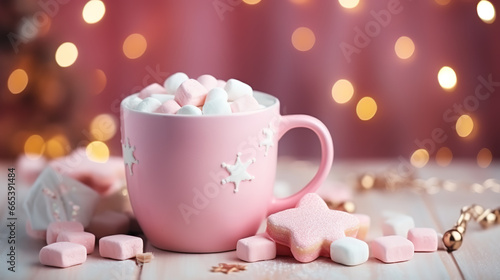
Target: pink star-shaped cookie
(310, 228)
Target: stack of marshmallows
(203, 96)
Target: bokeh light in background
(349, 4)
(57, 146)
(342, 91)
(464, 125)
(303, 39)
(93, 11)
(404, 47)
(134, 46)
(251, 2)
(99, 81)
(443, 2)
(366, 108)
(447, 78)
(484, 158)
(66, 54)
(97, 151)
(34, 146)
(419, 158)
(486, 11)
(103, 127)
(444, 156)
(17, 82)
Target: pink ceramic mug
(200, 183)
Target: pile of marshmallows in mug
(204, 96)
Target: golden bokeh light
(342, 91)
(486, 11)
(443, 2)
(447, 78)
(464, 125)
(251, 2)
(17, 82)
(444, 156)
(57, 146)
(103, 127)
(134, 46)
(34, 146)
(299, 2)
(66, 54)
(100, 81)
(404, 47)
(349, 4)
(484, 158)
(97, 151)
(419, 158)
(366, 108)
(93, 11)
(303, 39)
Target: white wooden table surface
(478, 258)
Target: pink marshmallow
(208, 81)
(221, 83)
(109, 223)
(256, 248)
(392, 248)
(244, 104)
(86, 239)
(168, 107)
(191, 92)
(423, 239)
(120, 246)
(55, 228)
(364, 226)
(152, 89)
(35, 234)
(63, 254)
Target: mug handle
(295, 121)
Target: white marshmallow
(216, 93)
(349, 251)
(148, 105)
(208, 81)
(398, 225)
(133, 102)
(163, 97)
(216, 107)
(236, 89)
(189, 110)
(173, 82)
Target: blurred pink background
(253, 43)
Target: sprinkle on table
(227, 268)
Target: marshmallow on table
(86, 239)
(364, 226)
(189, 110)
(173, 82)
(423, 239)
(63, 254)
(109, 223)
(398, 225)
(440, 242)
(191, 92)
(148, 105)
(208, 81)
(120, 246)
(256, 248)
(392, 248)
(349, 251)
(216, 103)
(168, 107)
(55, 228)
(36, 234)
(152, 88)
(244, 104)
(237, 89)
